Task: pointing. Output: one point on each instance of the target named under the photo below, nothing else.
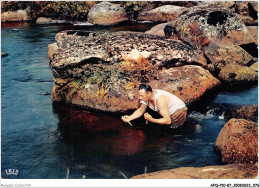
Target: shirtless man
(172, 109)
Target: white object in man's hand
(124, 118)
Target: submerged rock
(102, 70)
(107, 13)
(236, 75)
(231, 171)
(161, 14)
(237, 142)
(248, 112)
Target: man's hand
(126, 119)
(147, 117)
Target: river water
(45, 140)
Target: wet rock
(161, 14)
(52, 48)
(231, 171)
(202, 25)
(157, 30)
(102, 70)
(107, 13)
(248, 112)
(254, 67)
(180, 81)
(236, 74)
(14, 16)
(237, 142)
(254, 32)
(43, 20)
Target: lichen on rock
(103, 70)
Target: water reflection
(102, 145)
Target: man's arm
(138, 113)
(162, 105)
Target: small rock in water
(46, 93)
(198, 128)
(3, 54)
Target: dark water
(43, 140)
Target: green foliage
(69, 10)
(132, 9)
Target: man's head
(145, 92)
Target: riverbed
(45, 140)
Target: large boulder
(161, 14)
(232, 171)
(248, 112)
(15, 16)
(237, 142)
(234, 74)
(203, 24)
(107, 13)
(221, 55)
(76, 46)
(102, 70)
(180, 81)
(43, 20)
(224, 4)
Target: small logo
(11, 172)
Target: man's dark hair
(146, 87)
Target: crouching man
(172, 109)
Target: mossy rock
(236, 74)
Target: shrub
(138, 70)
